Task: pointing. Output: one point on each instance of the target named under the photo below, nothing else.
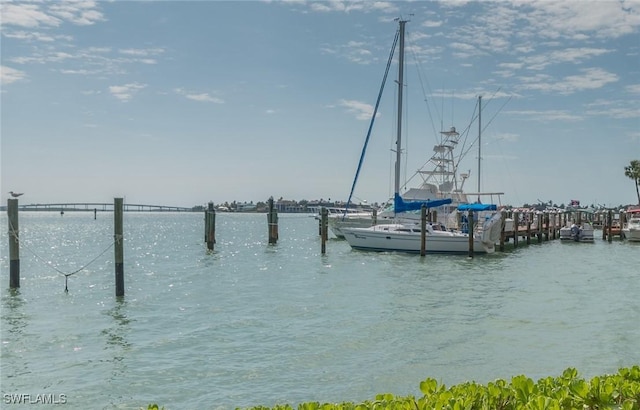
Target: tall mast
(400, 87)
(479, 141)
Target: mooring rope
(66, 275)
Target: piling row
(547, 226)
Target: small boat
(631, 228)
(582, 232)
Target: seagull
(14, 194)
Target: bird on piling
(15, 194)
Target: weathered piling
(547, 226)
(14, 243)
(95, 213)
(324, 228)
(374, 217)
(503, 222)
(423, 230)
(610, 225)
(622, 222)
(516, 228)
(210, 226)
(272, 220)
(540, 221)
(470, 217)
(118, 210)
(529, 219)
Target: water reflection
(15, 322)
(117, 337)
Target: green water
(254, 324)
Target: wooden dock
(519, 225)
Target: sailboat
(407, 236)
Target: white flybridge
(407, 236)
(631, 229)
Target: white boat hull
(631, 230)
(583, 233)
(380, 238)
(408, 238)
(632, 235)
(339, 222)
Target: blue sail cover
(477, 207)
(399, 205)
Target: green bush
(566, 392)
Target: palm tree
(633, 172)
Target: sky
(184, 102)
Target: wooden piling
(95, 213)
(539, 227)
(272, 220)
(118, 211)
(14, 243)
(470, 217)
(324, 228)
(529, 216)
(210, 226)
(516, 228)
(423, 230)
(610, 225)
(546, 226)
(503, 222)
(374, 218)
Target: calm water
(253, 324)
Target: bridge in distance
(102, 207)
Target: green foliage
(569, 391)
(633, 171)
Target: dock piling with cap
(14, 243)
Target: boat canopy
(477, 207)
(400, 205)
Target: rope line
(13, 233)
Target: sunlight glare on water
(258, 324)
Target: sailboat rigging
(406, 237)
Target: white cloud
(567, 55)
(545, 116)
(125, 92)
(50, 13)
(142, 52)
(201, 97)
(10, 75)
(352, 6)
(362, 111)
(431, 23)
(29, 36)
(633, 88)
(588, 79)
(604, 19)
(26, 15)
(82, 13)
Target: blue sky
(184, 102)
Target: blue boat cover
(399, 205)
(477, 207)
